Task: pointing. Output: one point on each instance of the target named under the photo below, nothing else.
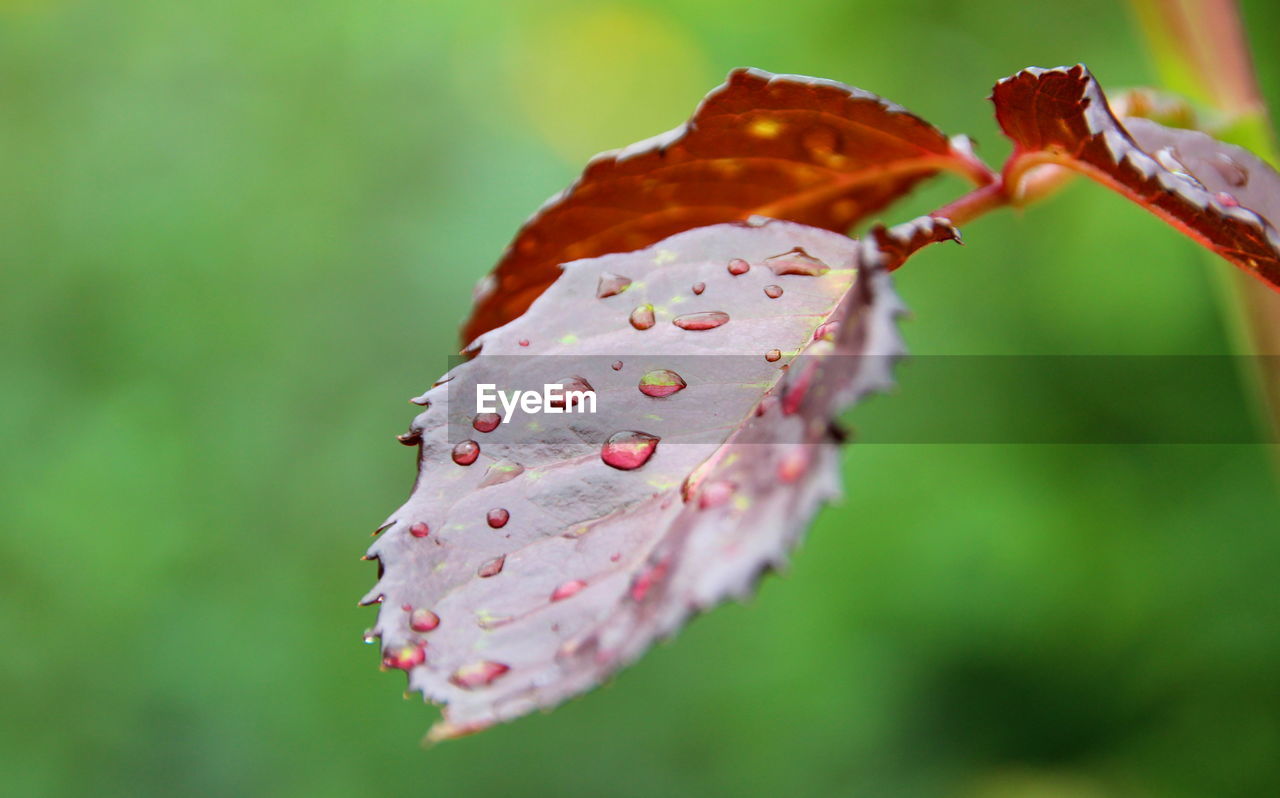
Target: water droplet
(738, 266)
(826, 331)
(405, 657)
(500, 472)
(698, 288)
(706, 320)
(486, 422)
(1227, 200)
(497, 518)
(371, 636)
(567, 589)
(820, 140)
(642, 317)
(716, 493)
(646, 579)
(611, 285)
(420, 530)
(617, 555)
(478, 674)
(797, 261)
(491, 567)
(423, 620)
(793, 465)
(465, 453)
(575, 384)
(1232, 172)
(661, 382)
(773, 355)
(523, 342)
(773, 291)
(617, 365)
(628, 449)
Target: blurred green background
(238, 235)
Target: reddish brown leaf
(1218, 194)
(709, 451)
(781, 146)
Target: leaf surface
(1218, 194)
(788, 147)
(537, 556)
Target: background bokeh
(238, 235)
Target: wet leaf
(1218, 194)
(781, 146)
(710, 449)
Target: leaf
(531, 562)
(781, 146)
(1218, 194)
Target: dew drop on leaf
(465, 453)
(405, 657)
(645, 581)
(661, 382)
(826, 331)
(716, 493)
(498, 517)
(628, 449)
(576, 384)
(567, 589)
(1232, 172)
(773, 291)
(491, 567)
(611, 285)
(706, 320)
(477, 674)
(642, 317)
(523, 342)
(486, 422)
(738, 266)
(698, 288)
(423, 620)
(773, 355)
(820, 141)
(419, 530)
(617, 365)
(797, 261)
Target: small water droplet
(773, 355)
(793, 465)
(611, 285)
(486, 422)
(617, 365)
(465, 453)
(523, 342)
(491, 567)
(661, 382)
(773, 291)
(1232, 172)
(826, 331)
(642, 317)
(797, 261)
(405, 657)
(478, 674)
(497, 518)
(646, 579)
(1227, 200)
(617, 555)
(820, 140)
(698, 288)
(567, 589)
(706, 320)
(371, 636)
(500, 472)
(738, 266)
(575, 384)
(421, 401)
(423, 620)
(628, 449)
(420, 530)
(716, 493)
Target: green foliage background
(238, 235)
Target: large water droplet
(738, 266)
(420, 530)
(706, 320)
(628, 449)
(486, 422)
(1232, 172)
(698, 288)
(478, 674)
(423, 620)
(773, 355)
(642, 317)
(797, 261)
(572, 384)
(661, 382)
(491, 567)
(611, 285)
(773, 291)
(405, 657)
(498, 517)
(465, 453)
(567, 589)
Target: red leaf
(619, 524)
(781, 146)
(1218, 194)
